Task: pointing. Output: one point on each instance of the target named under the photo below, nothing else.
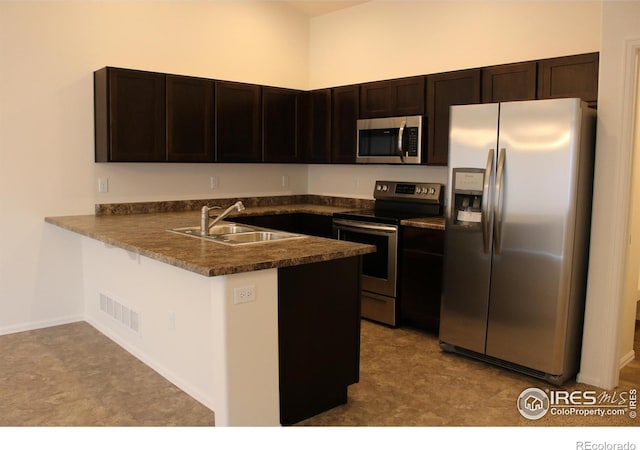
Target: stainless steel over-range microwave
(390, 140)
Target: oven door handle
(361, 226)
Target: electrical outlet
(244, 294)
(214, 183)
(285, 180)
(171, 320)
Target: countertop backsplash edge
(117, 209)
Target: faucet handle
(205, 209)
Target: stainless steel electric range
(394, 201)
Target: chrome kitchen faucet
(205, 225)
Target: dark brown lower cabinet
(318, 336)
(304, 223)
(421, 277)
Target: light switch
(103, 185)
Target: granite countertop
(147, 235)
(434, 223)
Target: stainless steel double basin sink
(234, 234)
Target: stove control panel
(407, 191)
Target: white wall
(358, 180)
(48, 52)
(379, 40)
(632, 282)
(223, 354)
(385, 39)
(604, 321)
(636, 176)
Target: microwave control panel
(422, 192)
(411, 147)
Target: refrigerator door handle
(486, 214)
(497, 232)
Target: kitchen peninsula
(263, 334)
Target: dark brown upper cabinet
(279, 125)
(569, 76)
(129, 116)
(314, 125)
(443, 90)
(391, 98)
(345, 101)
(238, 122)
(509, 82)
(190, 119)
(154, 117)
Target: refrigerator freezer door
(534, 223)
(467, 267)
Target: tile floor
(72, 375)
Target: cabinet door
(343, 124)
(443, 90)
(408, 96)
(318, 336)
(279, 125)
(190, 119)
(280, 222)
(402, 97)
(129, 115)
(238, 126)
(315, 126)
(375, 99)
(303, 223)
(569, 76)
(315, 225)
(421, 277)
(509, 82)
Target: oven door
(379, 268)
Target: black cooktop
(396, 201)
(391, 216)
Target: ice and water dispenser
(467, 191)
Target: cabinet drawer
(423, 239)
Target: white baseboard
(588, 380)
(183, 385)
(626, 359)
(29, 326)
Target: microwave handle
(400, 135)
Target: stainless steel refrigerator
(518, 210)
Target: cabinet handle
(361, 227)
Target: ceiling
(318, 7)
